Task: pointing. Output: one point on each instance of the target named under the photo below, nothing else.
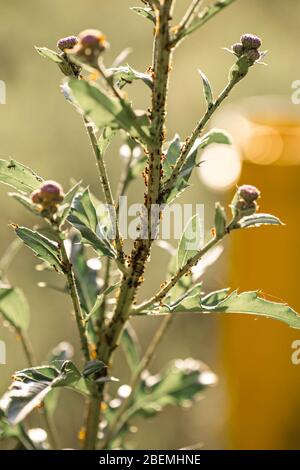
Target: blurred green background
(39, 129)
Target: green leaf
(251, 303)
(84, 218)
(190, 241)
(99, 300)
(145, 12)
(45, 249)
(220, 220)
(125, 75)
(31, 386)
(65, 207)
(93, 367)
(85, 276)
(19, 176)
(49, 54)
(214, 298)
(26, 202)
(257, 220)
(104, 110)
(172, 156)
(215, 136)
(67, 67)
(14, 307)
(179, 384)
(207, 90)
(131, 347)
(206, 14)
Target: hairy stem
(92, 422)
(120, 418)
(162, 57)
(105, 183)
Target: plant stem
(188, 17)
(75, 300)
(105, 183)
(92, 421)
(162, 58)
(124, 181)
(102, 310)
(133, 278)
(188, 145)
(27, 348)
(207, 14)
(118, 422)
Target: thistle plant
(103, 288)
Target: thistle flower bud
(67, 43)
(91, 44)
(238, 49)
(250, 41)
(248, 193)
(244, 201)
(252, 55)
(48, 196)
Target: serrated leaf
(104, 110)
(207, 89)
(190, 241)
(31, 386)
(49, 54)
(14, 307)
(45, 249)
(19, 176)
(251, 303)
(145, 12)
(257, 220)
(131, 347)
(214, 298)
(84, 218)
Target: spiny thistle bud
(247, 53)
(253, 55)
(67, 43)
(249, 193)
(48, 196)
(244, 201)
(91, 44)
(250, 41)
(238, 49)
